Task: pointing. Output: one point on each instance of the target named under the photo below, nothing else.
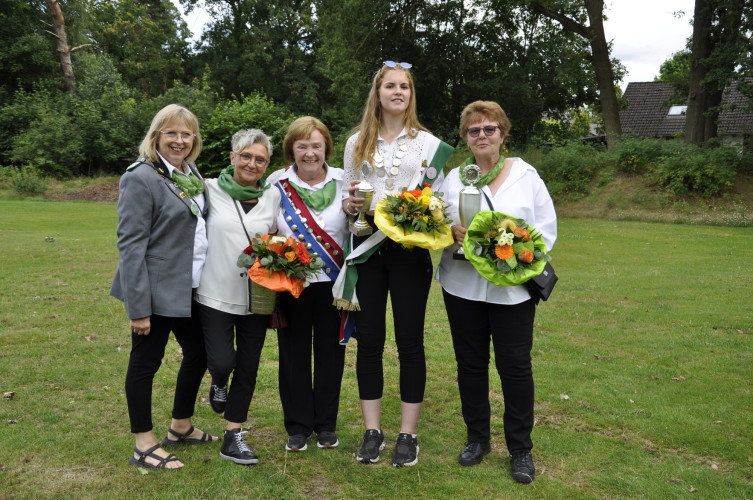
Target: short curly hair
(302, 128)
(478, 110)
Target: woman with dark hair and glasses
(401, 154)
(241, 205)
(479, 310)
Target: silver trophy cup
(469, 205)
(360, 227)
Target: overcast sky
(644, 33)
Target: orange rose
(290, 256)
(526, 256)
(504, 252)
(519, 232)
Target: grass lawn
(643, 362)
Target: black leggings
(406, 275)
(510, 328)
(248, 331)
(147, 352)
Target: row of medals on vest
(309, 229)
(380, 169)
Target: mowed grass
(643, 362)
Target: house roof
(647, 111)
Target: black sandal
(163, 461)
(184, 439)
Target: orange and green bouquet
(503, 249)
(415, 217)
(279, 263)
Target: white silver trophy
(469, 203)
(366, 191)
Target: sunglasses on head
(488, 130)
(393, 64)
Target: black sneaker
(326, 439)
(473, 453)
(521, 465)
(373, 443)
(297, 442)
(218, 398)
(406, 450)
(236, 450)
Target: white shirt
(522, 195)
(200, 239)
(409, 164)
(331, 218)
(224, 286)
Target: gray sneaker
(297, 442)
(327, 439)
(373, 443)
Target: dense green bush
(707, 171)
(569, 169)
(252, 111)
(26, 181)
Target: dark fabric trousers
(406, 275)
(510, 327)
(310, 404)
(234, 342)
(147, 352)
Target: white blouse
(410, 161)
(331, 218)
(522, 195)
(224, 286)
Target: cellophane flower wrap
(505, 250)
(415, 218)
(279, 263)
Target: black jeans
(310, 404)
(510, 328)
(406, 275)
(248, 331)
(147, 352)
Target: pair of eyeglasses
(173, 135)
(259, 161)
(393, 64)
(488, 130)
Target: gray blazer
(156, 231)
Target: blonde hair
(478, 110)
(372, 115)
(170, 114)
(302, 128)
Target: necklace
(394, 169)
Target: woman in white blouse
(311, 213)
(402, 154)
(241, 204)
(478, 310)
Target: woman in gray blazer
(162, 247)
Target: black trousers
(147, 352)
(510, 328)
(310, 404)
(234, 343)
(406, 275)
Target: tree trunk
(599, 59)
(63, 50)
(603, 67)
(696, 126)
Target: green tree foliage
(146, 39)
(676, 70)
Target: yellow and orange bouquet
(503, 249)
(415, 217)
(279, 263)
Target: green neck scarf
(318, 199)
(188, 183)
(487, 177)
(235, 190)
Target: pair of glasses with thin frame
(259, 161)
(488, 130)
(173, 135)
(393, 64)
